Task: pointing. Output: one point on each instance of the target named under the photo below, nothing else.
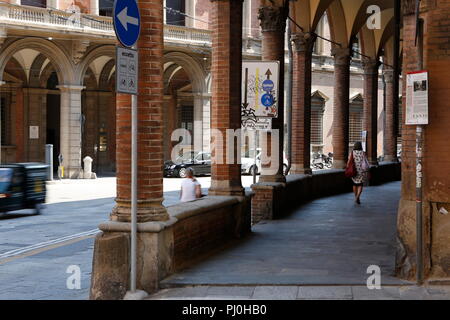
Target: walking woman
(362, 168)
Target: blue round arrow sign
(267, 100)
(268, 85)
(127, 21)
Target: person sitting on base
(190, 187)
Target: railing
(45, 18)
(20, 15)
(183, 34)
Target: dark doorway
(53, 126)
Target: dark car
(22, 186)
(199, 161)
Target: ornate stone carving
(370, 65)
(303, 41)
(341, 55)
(272, 18)
(388, 75)
(79, 48)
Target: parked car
(248, 164)
(22, 186)
(199, 161)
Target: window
(34, 3)
(317, 110)
(355, 119)
(105, 8)
(175, 10)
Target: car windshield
(5, 178)
(186, 157)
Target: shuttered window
(355, 121)
(317, 125)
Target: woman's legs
(358, 193)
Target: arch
(58, 57)
(192, 68)
(35, 70)
(104, 81)
(95, 53)
(338, 24)
(45, 75)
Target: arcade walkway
(327, 242)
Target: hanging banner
(260, 90)
(417, 98)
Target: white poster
(417, 98)
(34, 132)
(260, 89)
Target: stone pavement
(303, 293)
(328, 241)
(73, 207)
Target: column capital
(341, 55)
(303, 41)
(370, 65)
(272, 18)
(388, 74)
(69, 87)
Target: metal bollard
(49, 161)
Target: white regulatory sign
(126, 70)
(260, 89)
(417, 98)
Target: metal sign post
(417, 114)
(126, 20)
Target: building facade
(57, 73)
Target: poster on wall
(417, 98)
(260, 90)
(34, 132)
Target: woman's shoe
(357, 201)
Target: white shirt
(188, 189)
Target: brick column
(273, 26)
(341, 106)
(301, 102)
(70, 131)
(390, 129)
(226, 65)
(150, 125)
(370, 107)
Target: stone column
(111, 263)
(301, 102)
(390, 129)
(226, 65)
(150, 126)
(70, 132)
(341, 106)
(273, 26)
(370, 107)
(198, 122)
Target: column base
(339, 164)
(272, 178)
(225, 188)
(146, 211)
(299, 169)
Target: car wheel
(182, 173)
(253, 170)
(38, 208)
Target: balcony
(25, 17)
(17, 17)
